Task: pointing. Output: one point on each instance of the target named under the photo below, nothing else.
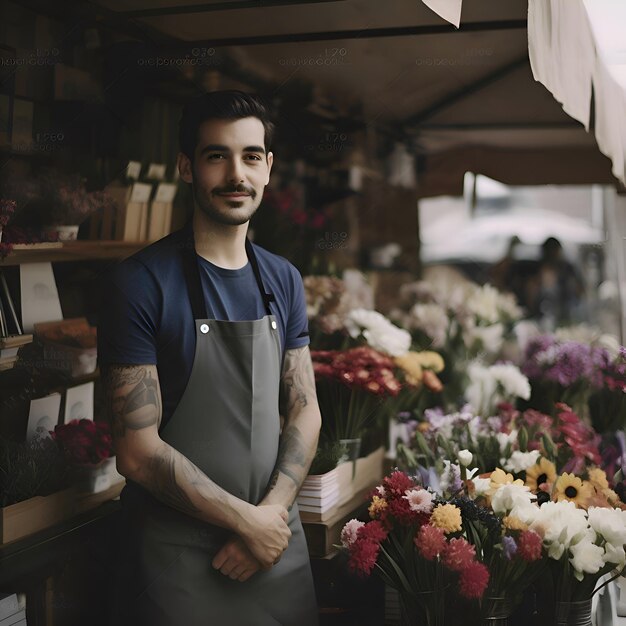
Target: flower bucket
(573, 613)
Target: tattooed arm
(133, 403)
(299, 436)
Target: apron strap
(267, 297)
(191, 271)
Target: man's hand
(266, 533)
(236, 561)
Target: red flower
(397, 483)
(430, 541)
(401, 511)
(473, 580)
(458, 554)
(373, 531)
(529, 546)
(363, 555)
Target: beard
(227, 211)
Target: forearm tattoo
(136, 408)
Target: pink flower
(419, 500)
(529, 546)
(397, 483)
(349, 532)
(430, 541)
(473, 580)
(458, 554)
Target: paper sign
(156, 171)
(140, 193)
(39, 295)
(450, 10)
(165, 192)
(79, 403)
(133, 170)
(43, 416)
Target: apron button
(204, 328)
(273, 324)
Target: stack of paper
(319, 493)
(12, 609)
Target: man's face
(230, 169)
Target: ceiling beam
(217, 6)
(464, 92)
(359, 33)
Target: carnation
(529, 546)
(587, 558)
(430, 541)
(458, 554)
(447, 517)
(610, 524)
(372, 531)
(521, 461)
(363, 555)
(350, 531)
(474, 580)
(419, 500)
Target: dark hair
(225, 105)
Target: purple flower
(509, 547)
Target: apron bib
(227, 423)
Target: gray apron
(227, 423)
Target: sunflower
(570, 487)
(543, 471)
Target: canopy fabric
(577, 49)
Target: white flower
(378, 331)
(609, 524)
(465, 457)
(419, 500)
(527, 512)
(433, 320)
(560, 524)
(510, 496)
(482, 486)
(483, 303)
(513, 382)
(488, 338)
(380, 490)
(521, 461)
(615, 555)
(350, 532)
(482, 387)
(586, 558)
(504, 440)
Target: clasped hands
(263, 538)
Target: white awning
(579, 45)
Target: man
(198, 334)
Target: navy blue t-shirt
(146, 316)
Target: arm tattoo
(140, 406)
(163, 484)
(298, 381)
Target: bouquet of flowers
(352, 386)
(414, 543)
(84, 442)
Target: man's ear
(184, 168)
(270, 161)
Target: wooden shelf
(72, 251)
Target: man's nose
(235, 171)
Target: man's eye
(254, 157)
(215, 156)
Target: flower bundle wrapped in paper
(352, 386)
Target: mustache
(239, 189)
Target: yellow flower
(611, 496)
(570, 487)
(377, 506)
(543, 471)
(499, 478)
(597, 478)
(410, 364)
(514, 523)
(431, 361)
(447, 517)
